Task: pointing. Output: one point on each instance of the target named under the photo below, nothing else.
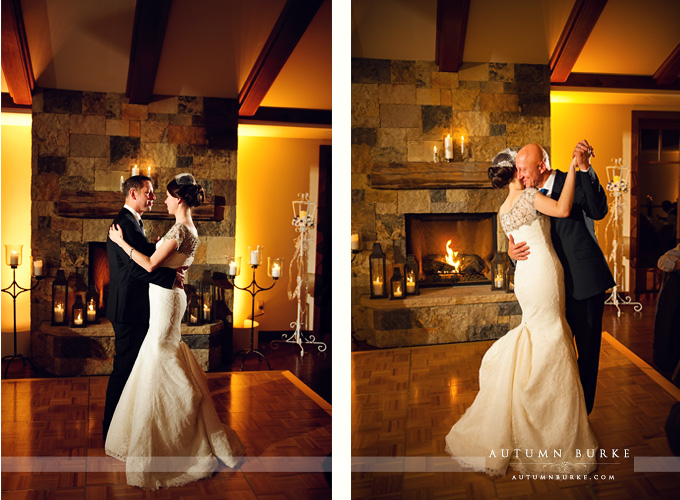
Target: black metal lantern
(376, 267)
(92, 305)
(397, 285)
(207, 297)
(78, 313)
(498, 265)
(510, 278)
(411, 271)
(59, 299)
(194, 310)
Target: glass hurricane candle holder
(498, 265)
(274, 267)
(91, 306)
(255, 255)
(194, 311)
(78, 313)
(376, 266)
(397, 285)
(59, 299)
(38, 267)
(13, 255)
(233, 266)
(411, 271)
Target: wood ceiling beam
(580, 24)
(287, 32)
(669, 70)
(596, 80)
(452, 18)
(16, 58)
(298, 116)
(151, 21)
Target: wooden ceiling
(587, 43)
(216, 48)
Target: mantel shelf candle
(376, 267)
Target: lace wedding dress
(529, 413)
(165, 426)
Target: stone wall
(402, 109)
(85, 141)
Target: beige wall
(271, 173)
(16, 218)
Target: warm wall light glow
(297, 132)
(615, 96)
(16, 211)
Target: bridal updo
(502, 169)
(184, 186)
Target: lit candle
(59, 313)
(303, 214)
(206, 312)
(617, 178)
(254, 257)
(377, 286)
(397, 292)
(148, 170)
(121, 183)
(14, 258)
(355, 241)
(448, 147)
(232, 269)
(462, 145)
(38, 267)
(435, 157)
(410, 284)
(498, 282)
(135, 170)
(91, 313)
(193, 319)
(78, 320)
(276, 271)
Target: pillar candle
(462, 145)
(254, 258)
(206, 313)
(448, 147)
(38, 267)
(13, 259)
(78, 320)
(355, 241)
(135, 170)
(58, 314)
(276, 271)
(377, 287)
(232, 269)
(397, 292)
(91, 315)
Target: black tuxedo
(586, 273)
(128, 305)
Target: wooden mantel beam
(580, 24)
(287, 32)
(16, 58)
(151, 20)
(452, 18)
(669, 70)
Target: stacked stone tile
(400, 111)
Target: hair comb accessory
(185, 180)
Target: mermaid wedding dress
(529, 413)
(165, 426)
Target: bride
(530, 413)
(165, 426)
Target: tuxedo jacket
(128, 300)
(586, 272)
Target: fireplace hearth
(452, 249)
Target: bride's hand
(116, 234)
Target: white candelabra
(304, 219)
(617, 175)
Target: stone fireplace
(401, 110)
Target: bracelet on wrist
(131, 249)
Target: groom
(128, 300)
(586, 273)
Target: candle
(377, 286)
(511, 285)
(148, 170)
(448, 147)
(498, 282)
(206, 312)
(355, 241)
(38, 267)
(462, 145)
(232, 269)
(59, 313)
(14, 258)
(121, 183)
(303, 214)
(254, 258)
(135, 170)
(397, 292)
(276, 271)
(617, 178)
(91, 313)
(435, 157)
(410, 284)
(193, 319)
(79, 319)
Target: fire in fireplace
(452, 249)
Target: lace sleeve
(177, 232)
(522, 212)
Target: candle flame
(450, 257)
(205, 307)
(60, 306)
(80, 316)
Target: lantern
(498, 265)
(91, 305)
(13, 255)
(510, 279)
(397, 285)
(78, 313)
(208, 297)
(59, 299)
(194, 311)
(376, 266)
(411, 271)
(274, 267)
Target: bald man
(586, 273)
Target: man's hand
(582, 152)
(518, 251)
(179, 276)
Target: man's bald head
(533, 165)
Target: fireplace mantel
(423, 175)
(107, 204)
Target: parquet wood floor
(274, 414)
(404, 402)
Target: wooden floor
(274, 414)
(404, 402)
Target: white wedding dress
(529, 413)
(165, 426)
